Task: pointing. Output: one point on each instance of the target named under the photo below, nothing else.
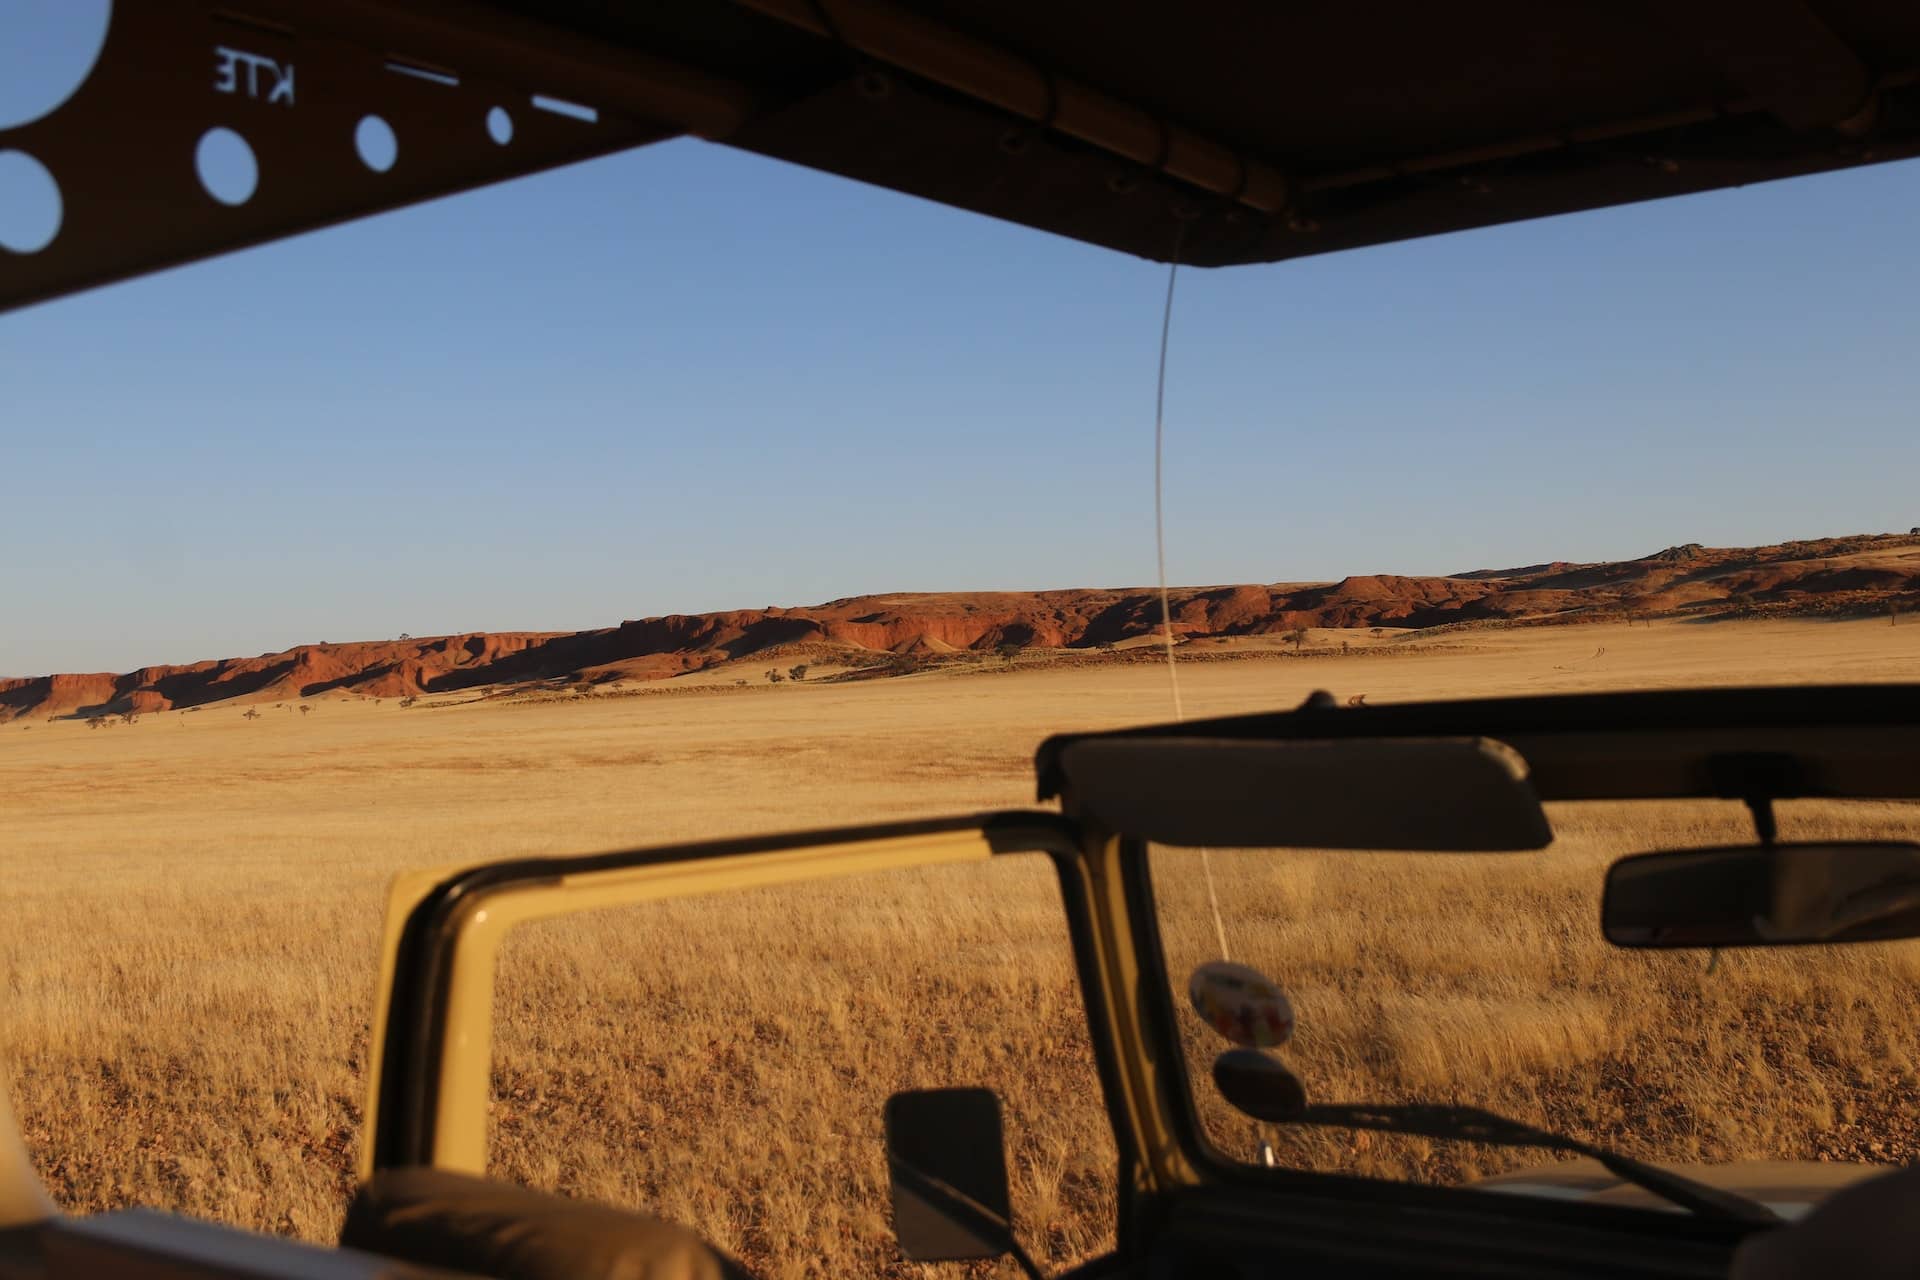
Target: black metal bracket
(1757, 779)
(292, 87)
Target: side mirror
(948, 1166)
(1764, 895)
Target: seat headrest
(454, 1220)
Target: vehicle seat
(454, 1220)
(1870, 1231)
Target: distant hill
(1824, 576)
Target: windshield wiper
(1471, 1124)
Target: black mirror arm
(1475, 1125)
(963, 1208)
(1685, 1192)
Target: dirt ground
(194, 903)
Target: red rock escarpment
(1800, 576)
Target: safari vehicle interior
(1215, 135)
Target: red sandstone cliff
(1836, 573)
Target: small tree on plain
(252, 713)
(1297, 638)
(774, 677)
(1379, 632)
(797, 672)
(1009, 651)
(305, 708)
(407, 702)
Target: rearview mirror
(1764, 895)
(949, 1175)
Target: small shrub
(797, 672)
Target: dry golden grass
(194, 902)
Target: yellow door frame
(433, 1031)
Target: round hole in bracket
(500, 126)
(226, 166)
(58, 43)
(30, 208)
(378, 147)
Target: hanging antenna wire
(1159, 506)
(1160, 552)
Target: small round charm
(1242, 1004)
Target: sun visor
(1430, 794)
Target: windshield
(1483, 979)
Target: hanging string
(1159, 450)
(1160, 551)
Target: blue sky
(685, 379)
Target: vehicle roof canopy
(1224, 130)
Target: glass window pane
(1483, 979)
(723, 1061)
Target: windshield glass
(1484, 979)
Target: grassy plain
(193, 904)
